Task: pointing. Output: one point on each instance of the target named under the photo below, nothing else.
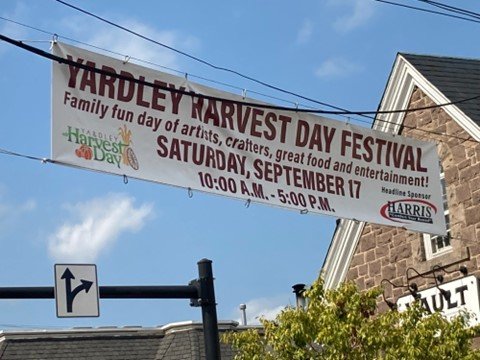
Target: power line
(181, 72)
(96, 70)
(195, 58)
(341, 113)
(243, 103)
(12, 153)
(214, 81)
(451, 8)
(61, 60)
(203, 78)
(25, 25)
(55, 36)
(425, 10)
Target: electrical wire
(214, 81)
(96, 47)
(204, 62)
(61, 60)
(55, 35)
(453, 9)
(224, 84)
(26, 26)
(12, 153)
(258, 105)
(101, 71)
(425, 10)
(344, 112)
(363, 114)
(209, 80)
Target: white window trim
(427, 238)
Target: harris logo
(97, 146)
(409, 210)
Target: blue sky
(140, 233)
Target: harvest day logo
(97, 146)
(407, 210)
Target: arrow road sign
(76, 290)
(85, 285)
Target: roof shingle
(182, 341)
(457, 78)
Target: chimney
(299, 289)
(243, 308)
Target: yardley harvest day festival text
(130, 120)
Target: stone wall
(387, 252)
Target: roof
(116, 347)
(180, 341)
(457, 78)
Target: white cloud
(97, 225)
(122, 42)
(28, 206)
(305, 32)
(10, 213)
(267, 308)
(359, 13)
(10, 29)
(336, 67)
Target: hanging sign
(180, 133)
(458, 295)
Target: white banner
(237, 147)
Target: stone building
(396, 259)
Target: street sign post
(76, 290)
(200, 291)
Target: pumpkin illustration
(85, 152)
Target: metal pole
(209, 310)
(33, 292)
(107, 292)
(148, 292)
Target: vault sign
(461, 295)
(76, 290)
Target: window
(438, 245)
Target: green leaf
(344, 324)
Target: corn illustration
(128, 156)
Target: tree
(344, 324)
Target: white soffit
(339, 256)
